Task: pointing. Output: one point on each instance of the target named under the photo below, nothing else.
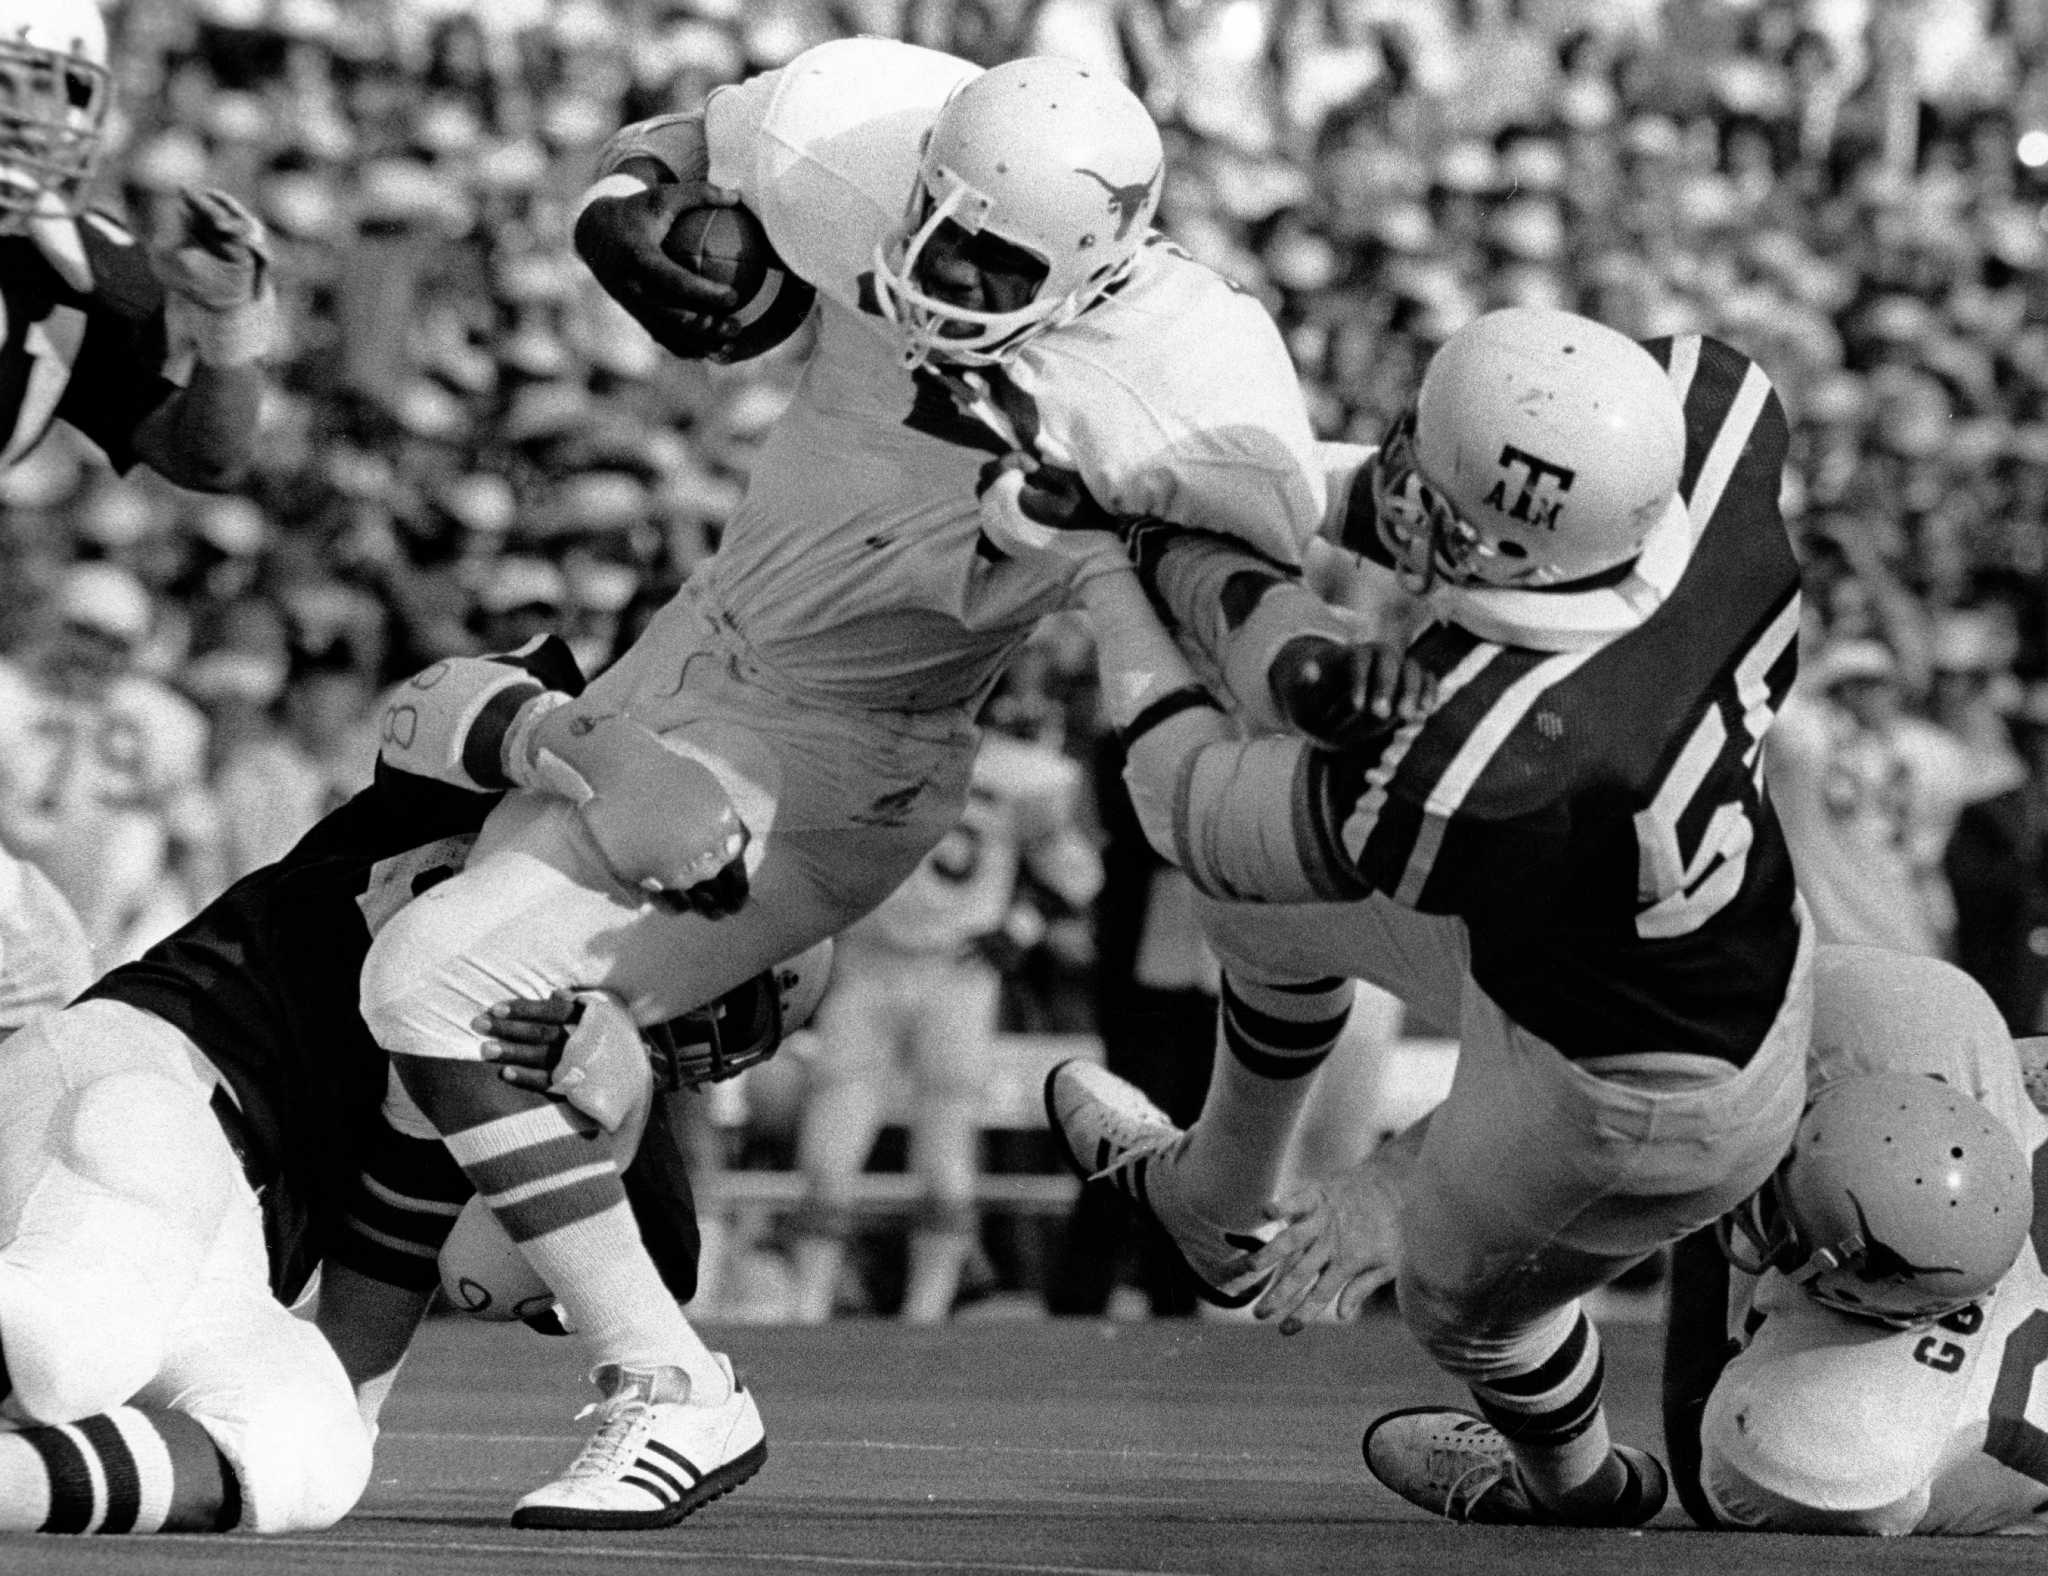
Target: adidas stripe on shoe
(656, 1456)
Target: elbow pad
(676, 142)
(450, 721)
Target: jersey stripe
(1684, 365)
(1730, 442)
(1358, 826)
(1481, 744)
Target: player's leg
(1287, 991)
(951, 1060)
(1538, 1181)
(535, 910)
(115, 1177)
(859, 1025)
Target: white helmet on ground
(1541, 454)
(53, 61)
(1901, 1200)
(1049, 156)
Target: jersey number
(116, 745)
(1693, 841)
(2022, 1445)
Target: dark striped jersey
(265, 981)
(1597, 816)
(91, 356)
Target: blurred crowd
(467, 442)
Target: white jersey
(1935, 1430)
(1020, 808)
(88, 787)
(855, 567)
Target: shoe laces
(1464, 1472)
(1137, 1149)
(607, 1451)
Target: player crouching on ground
(1874, 1370)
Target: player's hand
(662, 822)
(214, 265)
(1042, 514)
(1338, 1240)
(620, 241)
(1344, 693)
(581, 1046)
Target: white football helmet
(1049, 156)
(1540, 454)
(1901, 1200)
(53, 60)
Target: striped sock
(128, 1470)
(554, 1185)
(406, 1203)
(1547, 1403)
(1270, 1038)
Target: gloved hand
(214, 266)
(1348, 693)
(662, 822)
(620, 241)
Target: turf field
(1035, 1448)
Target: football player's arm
(378, 1279)
(1696, 1348)
(1242, 817)
(221, 321)
(648, 175)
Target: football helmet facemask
(742, 1028)
(1056, 160)
(1902, 1199)
(1542, 450)
(53, 109)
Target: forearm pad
(676, 142)
(451, 722)
(1243, 818)
(1240, 610)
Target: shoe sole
(713, 1485)
(1228, 1301)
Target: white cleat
(656, 1455)
(1109, 1130)
(1457, 1465)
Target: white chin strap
(923, 319)
(1573, 620)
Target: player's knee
(411, 1003)
(300, 1450)
(1771, 1460)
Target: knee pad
(149, 1137)
(299, 1446)
(946, 1217)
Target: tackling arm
(1242, 817)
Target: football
(484, 1274)
(730, 246)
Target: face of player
(49, 123)
(977, 273)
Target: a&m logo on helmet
(1539, 488)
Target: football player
(153, 356)
(1542, 823)
(102, 768)
(917, 985)
(185, 1144)
(987, 280)
(1869, 1361)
